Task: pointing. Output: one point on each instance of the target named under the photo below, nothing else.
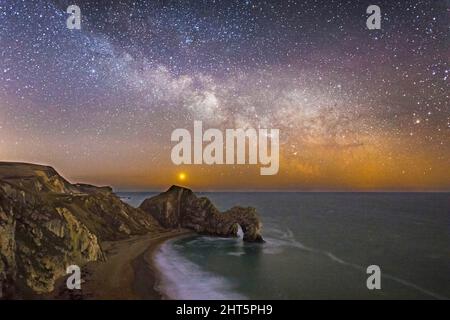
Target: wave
(184, 280)
(286, 238)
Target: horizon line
(119, 190)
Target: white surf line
(412, 285)
(336, 259)
(173, 266)
(387, 276)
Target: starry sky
(357, 109)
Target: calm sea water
(318, 247)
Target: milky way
(358, 109)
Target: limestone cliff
(180, 207)
(47, 223)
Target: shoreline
(129, 272)
(148, 277)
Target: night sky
(357, 109)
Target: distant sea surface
(319, 246)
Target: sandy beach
(128, 273)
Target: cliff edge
(47, 224)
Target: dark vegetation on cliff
(47, 224)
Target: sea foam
(183, 280)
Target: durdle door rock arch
(48, 223)
(179, 207)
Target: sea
(318, 246)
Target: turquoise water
(318, 247)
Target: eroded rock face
(38, 241)
(47, 224)
(179, 207)
(7, 253)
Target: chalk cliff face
(180, 207)
(47, 224)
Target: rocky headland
(48, 223)
(179, 207)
